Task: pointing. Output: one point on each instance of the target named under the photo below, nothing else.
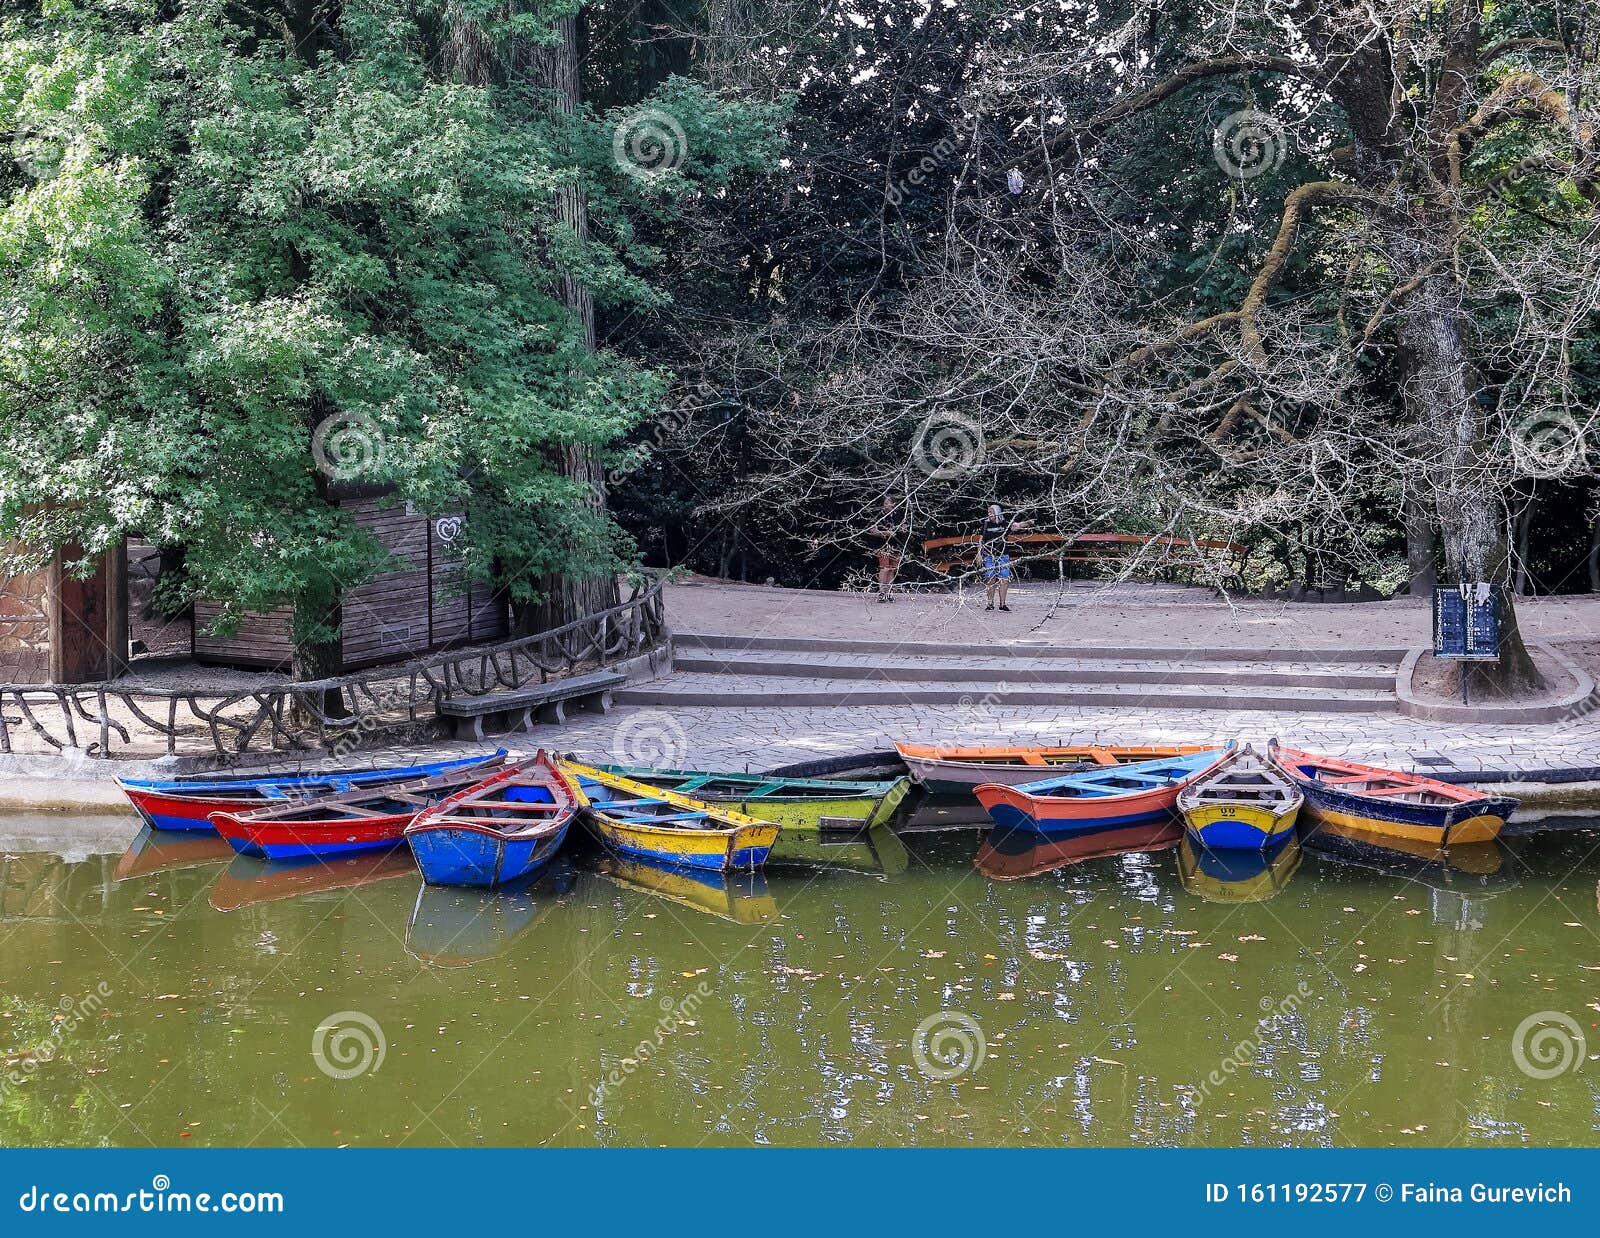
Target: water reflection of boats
(1007, 855)
(1480, 866)
(878, 850)
(740, 897)
(249, 881)
(1234, 875)
(456, 926)
(161, 851)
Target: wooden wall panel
(402, 614)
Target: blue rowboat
(504, 828)
(1098, 799)
(187, 803)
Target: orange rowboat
(1095, 800)
(954, 769)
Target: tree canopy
(254, 255)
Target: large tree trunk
(1422, 547)
(315, 659)
(571, 596)
(1441, 390)
(470, 57)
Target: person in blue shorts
(994, 547)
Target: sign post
(1466, 624)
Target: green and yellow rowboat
(799, 805)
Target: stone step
(1370, 656)
(766, 692)
(1016, 669)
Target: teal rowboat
(799, 805)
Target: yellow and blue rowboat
(1409, 807)
(1243, 803)
(799, 805)
(636, 819)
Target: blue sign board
(1466, 622)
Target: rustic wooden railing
(98, 718)
(950, 554)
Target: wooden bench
(548, 700)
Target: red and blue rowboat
(1099, 799)
(502, 829)
(371, 819)
(187, 803)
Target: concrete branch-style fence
(98, 719)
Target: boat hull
(175, 812)
(188, 803)
(301, 840)
(721, 850)
(953, 775)
(1011, 809)
(861, 806)
(1479, 822)
(1238, 827)
(458, 856)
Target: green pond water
(175, 994)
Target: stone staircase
(756, 671)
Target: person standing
(994, 547)
(890, 532)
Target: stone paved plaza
(762, 738)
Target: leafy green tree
(257, 256)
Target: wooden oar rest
(545, 700)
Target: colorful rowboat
(504, 828)
(1381, 801)
(1239, 875)
(1244, 803)
(187, 803)
(953, 769)
(1010, 855)
(797, 804)
(370, 819)
(1098, 799)
(640, 820)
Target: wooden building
(400, 615)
